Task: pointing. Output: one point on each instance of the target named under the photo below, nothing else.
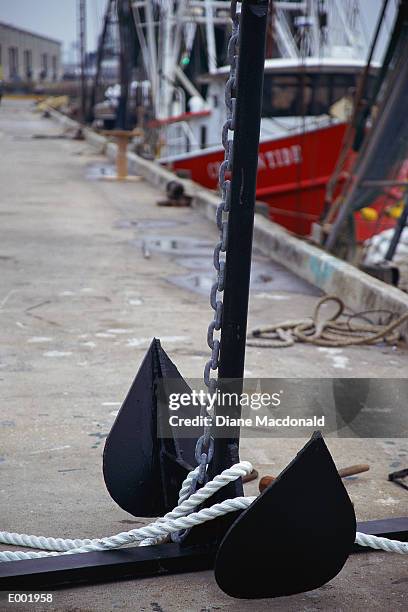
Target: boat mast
(82, 57)
(209, 27)
(301, 29)
(345, 34)
(126, 38)
(166, 27)
(99, 57)
(151, 45)
(298, 29)
(147, 42)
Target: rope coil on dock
(182, 517)
(328, 331)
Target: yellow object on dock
(369, 214)
(395, 211)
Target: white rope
(182, 517)
(392, 546)
(172, 522)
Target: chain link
(224, 206)
(205, 444)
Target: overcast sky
(57, 18)
(54, 18)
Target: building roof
(23, 31)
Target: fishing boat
(298, 152)
(316, 54)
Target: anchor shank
(241, 216)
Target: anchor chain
(205, 444)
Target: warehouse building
(25, 56)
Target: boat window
(203, 136)
(304, 94)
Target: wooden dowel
(352, 470)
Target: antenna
(81, 7)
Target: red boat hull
(292, 176)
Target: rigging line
(387, 22)
(97, 19)
(142, 39)
(315, 120)
(179, 21)
(349, 133)
(356, 19)
(302, 87)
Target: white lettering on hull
(277, 158)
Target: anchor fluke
(143, 471)
(297, 534)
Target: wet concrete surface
(265, 276)
(79, 304)
(99, 171)
(196, 255)
(148, 223)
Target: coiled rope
(327, 331)
(182, 517)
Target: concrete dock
(90, 271)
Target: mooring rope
(182, 517)
(328, 331)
